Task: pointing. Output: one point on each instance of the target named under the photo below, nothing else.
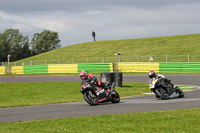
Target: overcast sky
(74, 20)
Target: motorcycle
(155, 85)
(100, 95)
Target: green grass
(175, 121)
(132, 49)
(25, 94)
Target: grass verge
(27, 94)
(175, 121)
(132, 49)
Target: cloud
(77, 6)
(74, 20)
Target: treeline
(13, 43)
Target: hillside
(158, 47)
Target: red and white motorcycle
(100, 94)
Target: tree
(45, 41)
(12, 42)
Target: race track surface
(127, 105)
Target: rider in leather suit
(91, 79)
(152, 74)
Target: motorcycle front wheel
(90, 98)
(162, 93)
(115, 97)
(181, 94)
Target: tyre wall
(137, 67)
(159, 67)
(106, 67)
(62, 68)
(2, 69)
(179, 67)
(99, 67)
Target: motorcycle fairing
(152, 83)
(101, 94)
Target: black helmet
(152, 74)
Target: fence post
(138, 59)
(87, 60)
(8, 68)
(188, 58)
(72, 60)
(31, 62)
(103, 60)
(166, 58)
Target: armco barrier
(98, 67)
(63, 68)
(2, 69)
(137, 67)
(17, 69)
(179, 67)
(36, 69)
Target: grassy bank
(132, 49)
(175, 121)
(25, 94)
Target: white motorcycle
(156, 85)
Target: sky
(74, 20)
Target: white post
(116, 63)
(150, 59)
(166, 58)
(188, 58)
(138, 59)
(9, 58)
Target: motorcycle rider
(90, 78)
(152, 74)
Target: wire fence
(121, 58)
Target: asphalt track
(75, 109)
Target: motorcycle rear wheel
(115, 97)
(90, 98)
(162, 93)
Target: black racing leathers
(162, 83)
(93, 82)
